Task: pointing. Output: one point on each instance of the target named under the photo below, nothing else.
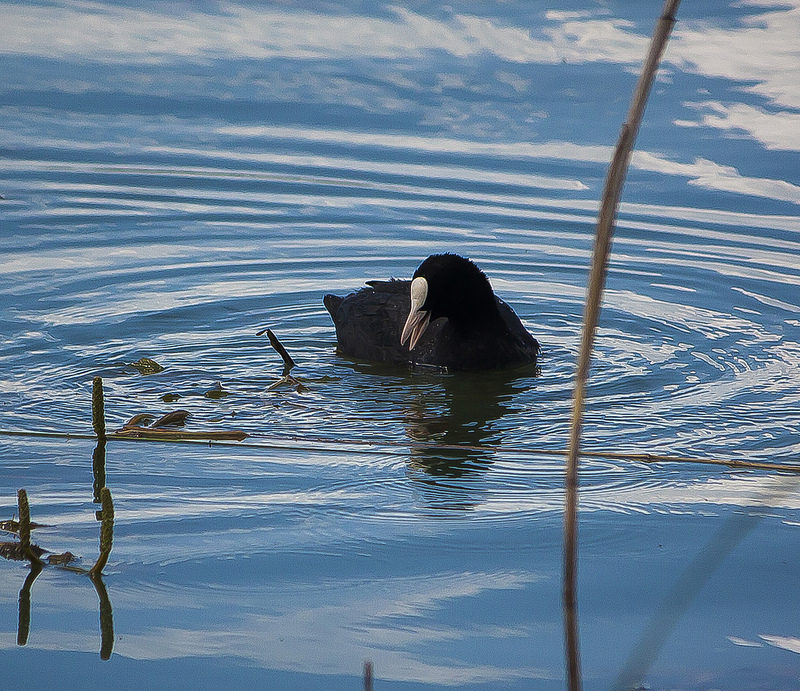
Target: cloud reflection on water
(778, 131)
(761, 49)
(396, 612)
(700, 172)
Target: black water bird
(446, 317)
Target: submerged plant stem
(288, 363)
(106, 532)
(25, 528)
(98, 409)
(24, 519)
(400, 447)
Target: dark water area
(175, 179)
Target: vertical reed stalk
(24, 519)
(597, 276)
(98, 409)
(25, 528)
(368, 676)
(24, 623)
(98, 471)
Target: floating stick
(137, 428)
(178, 435)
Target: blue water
(176, 179)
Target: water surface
(174, 180)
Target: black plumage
(455, 321)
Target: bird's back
(369, 322)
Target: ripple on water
(182, 254)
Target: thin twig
(178, 435)
(303, 443)
(597, 276)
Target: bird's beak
(418, 319)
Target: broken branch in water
(287, 359)
(288, 364)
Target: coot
(447, 317)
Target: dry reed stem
(297, 443)
(597, 276)
(147, 433)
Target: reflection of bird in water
(454, 429)
(446, 317)
(459, 414)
